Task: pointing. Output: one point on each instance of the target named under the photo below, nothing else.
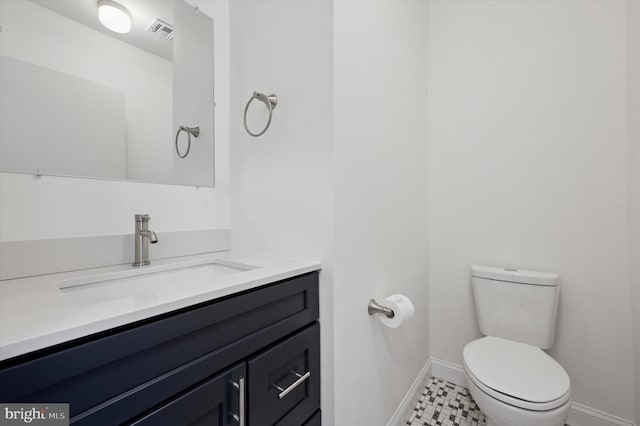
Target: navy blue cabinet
(188, 361)
(284, 380)
(210, 403)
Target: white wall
(282, 201)
(633, 80)
(283, 183)
(64, 207)
(528, 168)
(380, 152)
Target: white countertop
(36, 313)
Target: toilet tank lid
(516, 275)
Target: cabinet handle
(240, 417)
(301, 378)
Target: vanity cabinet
(251, 358)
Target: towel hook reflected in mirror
(195, 131)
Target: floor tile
(445, 404)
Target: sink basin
(150, 284)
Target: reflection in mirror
(78, 99)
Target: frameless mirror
(79, 99)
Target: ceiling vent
(162, 28)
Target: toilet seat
(516, 373)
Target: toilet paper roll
(402, 308)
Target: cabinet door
(315, 420)
(284, 381)
(215, 402)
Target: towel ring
(195, 131)
(270, 101)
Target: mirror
(78, 99)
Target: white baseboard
(580, 415)
(407, 404)
(448, 371)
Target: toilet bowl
(510, 377)
(516, 384)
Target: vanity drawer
(98, 370)
(284, 381)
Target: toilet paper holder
(376, 308)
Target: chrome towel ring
(270, 101)
(195, 131)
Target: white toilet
(510, 377)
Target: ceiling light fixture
(114, 16)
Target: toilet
(511, 378)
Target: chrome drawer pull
(240, 417)
(301, 378)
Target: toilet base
(498, 413)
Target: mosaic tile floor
(443, 403)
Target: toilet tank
(516, 304)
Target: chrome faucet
(142, 237)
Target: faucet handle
(142, 218)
